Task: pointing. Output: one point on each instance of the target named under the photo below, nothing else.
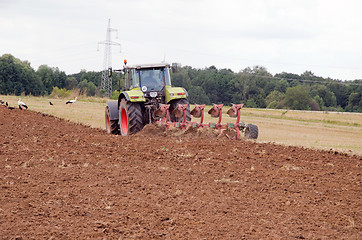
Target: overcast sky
(322, 36)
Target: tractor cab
(149, 80)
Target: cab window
(135, 82)
(167, 76)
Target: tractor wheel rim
(124, 121)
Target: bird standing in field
(71, 101)
(21, 104)
(51, 103)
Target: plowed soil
(61, 180)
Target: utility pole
(106, 83)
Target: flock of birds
(22, 105)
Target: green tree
(71, 83)
(282, 85)
(251, 103)
(18, 77)
(198, 95)
(51, 77)
(328, 97)
(341, 93)
(355, 102)
(275, 99)
(87, 87)
(319, 101)
(270, 86)
(298, 98)
(181, 79)
(46, 75)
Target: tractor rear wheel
(251, 131)
(130, 117)
(111, 125)
(174, 105)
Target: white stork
(71, 101)
(21, 104)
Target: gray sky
(323, 36)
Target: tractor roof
(153, 65)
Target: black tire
(251, 131)
(174, 104)
(130, 118)
(111, 125)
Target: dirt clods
(60, 180)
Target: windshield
(154, 79)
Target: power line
(106, 83)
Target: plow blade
(180, 110)
(215, 111)
(162, 111)
(198, 111)
(233, 111)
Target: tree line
(253, 86)
(257, 88)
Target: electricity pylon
(106, 83)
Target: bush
(60, 93)
(273, 105)
(274, 98)
(314, 106)
(87, 88)
(115, 95)
(251, 104)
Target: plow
(250, 130)
(149, 98)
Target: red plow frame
(198, 112)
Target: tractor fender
(113, 110)
(123, 95)
(134, 95)
(187, 94)
(173, 93)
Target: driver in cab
(150, 80)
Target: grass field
(319, 130)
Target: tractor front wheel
(251, 131)
(130, 117)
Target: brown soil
(61, 180)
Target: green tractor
(147, 87)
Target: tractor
(147, 87)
